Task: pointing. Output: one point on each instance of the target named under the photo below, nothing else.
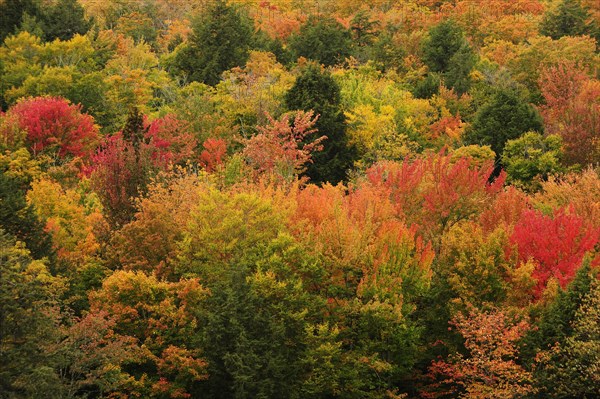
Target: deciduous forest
(299, 199)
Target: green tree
(316, 90)
(254, 322)
(576, 373)
(63, 20)
(220, 40)
(428, 86)
(12, 12)
(29, 321)
(446, 51)
(555, 321)
(532, 156)
(506, 116)
(570, 330)
(458, 76)
(570, 18)
(16, 216)
(322, 39)
(443, 42)
(363, 29)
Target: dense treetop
(299, 199)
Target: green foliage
(364, 29)
(261, 41)
(475, 266)
(322, 39)
(458, 76)
(316, 90)
(224, 228)
(385, 52)
(254, 327)
(63, 19)
(532, 156)
(506, 116)
(428, 86)
(447, 52)
(13, 12)
(570, 337)
(220, 40)
(16, 216)
(570, 18)
(555, 321)
(253, 324)
(29, 323)
(443, 42)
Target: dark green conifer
(220, 40)
(316, 90)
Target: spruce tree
(316, 90)
(444, 41)
(447, 52)
(505, 117)
(322, 39)
(64, 20)
(220, 40)
(569, 19)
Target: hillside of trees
(299, 199)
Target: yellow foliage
(19, 164)
(255, 90)
(581, 191)
(71, 219)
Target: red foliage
(557, 244)
(450, 126)
(114, 176)
(506, 210)
(212, 155)
(56, 127)
(434, 192)
(280, 146)
(121, 169)
(572, 110)
(171, 141)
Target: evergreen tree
(220, 40)
(569, 19)
(64, 20)
(555, 322)
(447, 52)
(316, 90)
(567, 339)
(19, 219)
(322, 39)
(444, 41)
(364, 30)
(505, 117)
(458, 76)
(12, 12)
(427, 87)
(134, 130)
